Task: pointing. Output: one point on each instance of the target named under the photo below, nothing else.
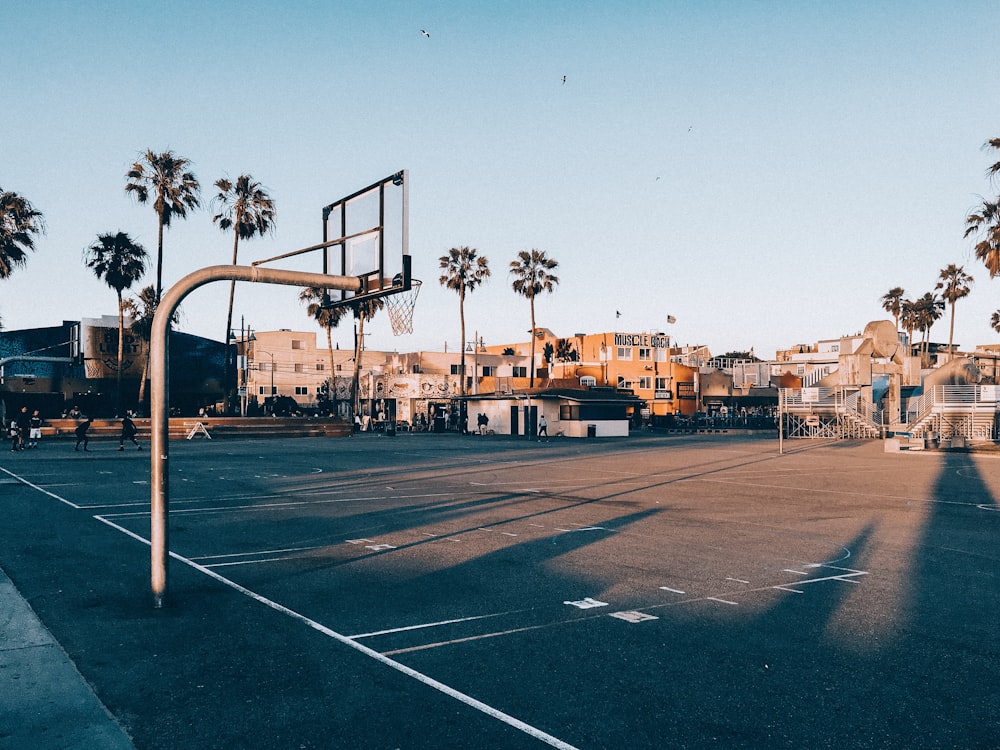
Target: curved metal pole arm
(159, 381)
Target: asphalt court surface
(428, 591)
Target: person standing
(23, 428)
(34, 429)
(128, 432)
(543, 429)
(81, 434)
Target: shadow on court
(890, 646)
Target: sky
(764, 172)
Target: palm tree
(892, 302)
(20, 223)
(328, 318)
(173, 188)
(533, 275)
(909, 318)
(463, 271)
(986, 222)
(995, 321)
(142, 308)
(119, 262)
(245, 207)
(929, 308)
(955, 283)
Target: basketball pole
(159, 378)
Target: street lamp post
(474, 346)
(246, 337)
(271, 355)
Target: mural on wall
(100, 352)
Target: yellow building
(645, 364)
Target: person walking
(14, 434)
(81, 434)
(543, 429)
(34, 429)
(128, 432)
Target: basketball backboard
(368, 232)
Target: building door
(530, 421)
(515, 427)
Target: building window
(519, 372)
(319, 367)
(645, 354)
(416, 369)
(298, 367)
(301, 390)
(487, 371)
(661, 384)
(625, 353)
(645, 382)
(661, 354)
(296, 344)
(456, 369)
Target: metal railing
(969, 411)
(830, 413)
(954, 410)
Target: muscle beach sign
(651, 340)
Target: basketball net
(400, 307)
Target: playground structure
(879, 389)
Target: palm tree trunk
(231, 366)
(145, 374)
(951, 329)
(531, 380)
(461, 316)
(159, 259)
(333, 372)
(358, 347)
(121, 345)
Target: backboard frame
(366, 235)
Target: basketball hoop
(400, 307)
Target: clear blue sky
(762, 171)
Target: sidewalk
(45, 703)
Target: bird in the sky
(564, 80)
(425, 33)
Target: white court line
(371, 653)
(24, 481)
(258, 552)
(266, 506)
(834, 492)
(424, 625)
(347, 641)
